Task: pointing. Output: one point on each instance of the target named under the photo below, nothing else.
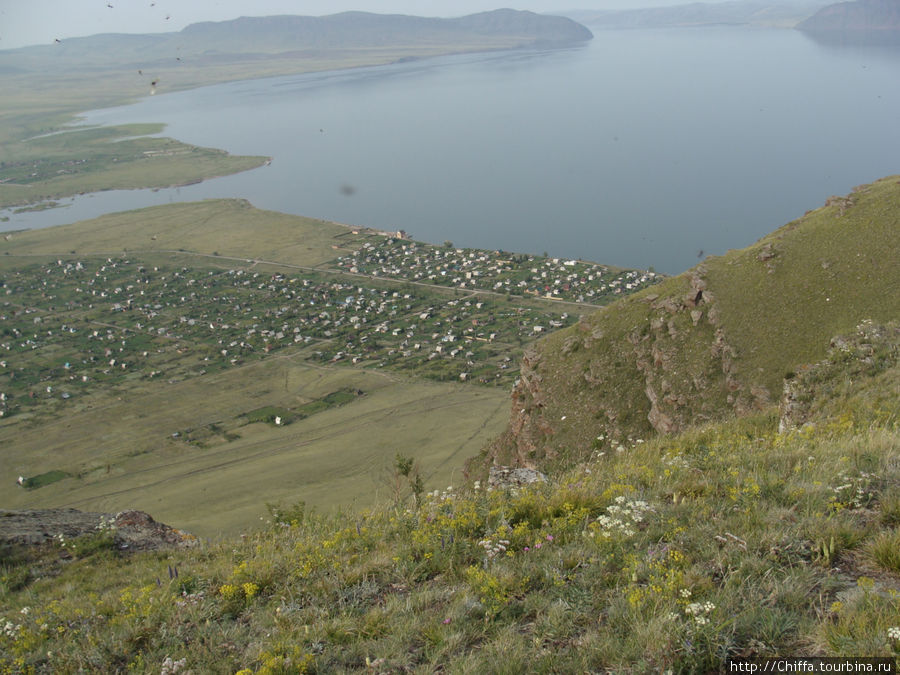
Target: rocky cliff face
(603, 385)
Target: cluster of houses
(497, 271)
(71, 325)
(74, 325)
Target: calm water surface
(642, 148)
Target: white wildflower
(170, 666)
(622, 517)
(699, 610)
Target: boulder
(508, 477)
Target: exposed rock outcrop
(871, 350)
(131, 530)
(508, 477)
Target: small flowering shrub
(491, 549)
(494, 591)
(853, 491)
(621, 519)
(699, 612)
(172, 666)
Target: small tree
(407, 468)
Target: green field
(181, 447)
(229, 228)
(122, 452)
(58, 165)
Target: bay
(642, 148)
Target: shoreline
(334, 64)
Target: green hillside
(714, 341)
(727, 541)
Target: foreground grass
(730, 540)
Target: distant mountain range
(870, 16)
(250, 37)
(769, 13)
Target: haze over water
(642, 148)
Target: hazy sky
(27, 22)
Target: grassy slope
(832, 268)
(121, 453)
(729, 540)
(766, 310)
(229, 227)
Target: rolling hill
(735, 13)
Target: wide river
(642, 148)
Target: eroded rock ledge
(131, 530)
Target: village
(496, 271)
(81, 324)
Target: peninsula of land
(44, 87)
